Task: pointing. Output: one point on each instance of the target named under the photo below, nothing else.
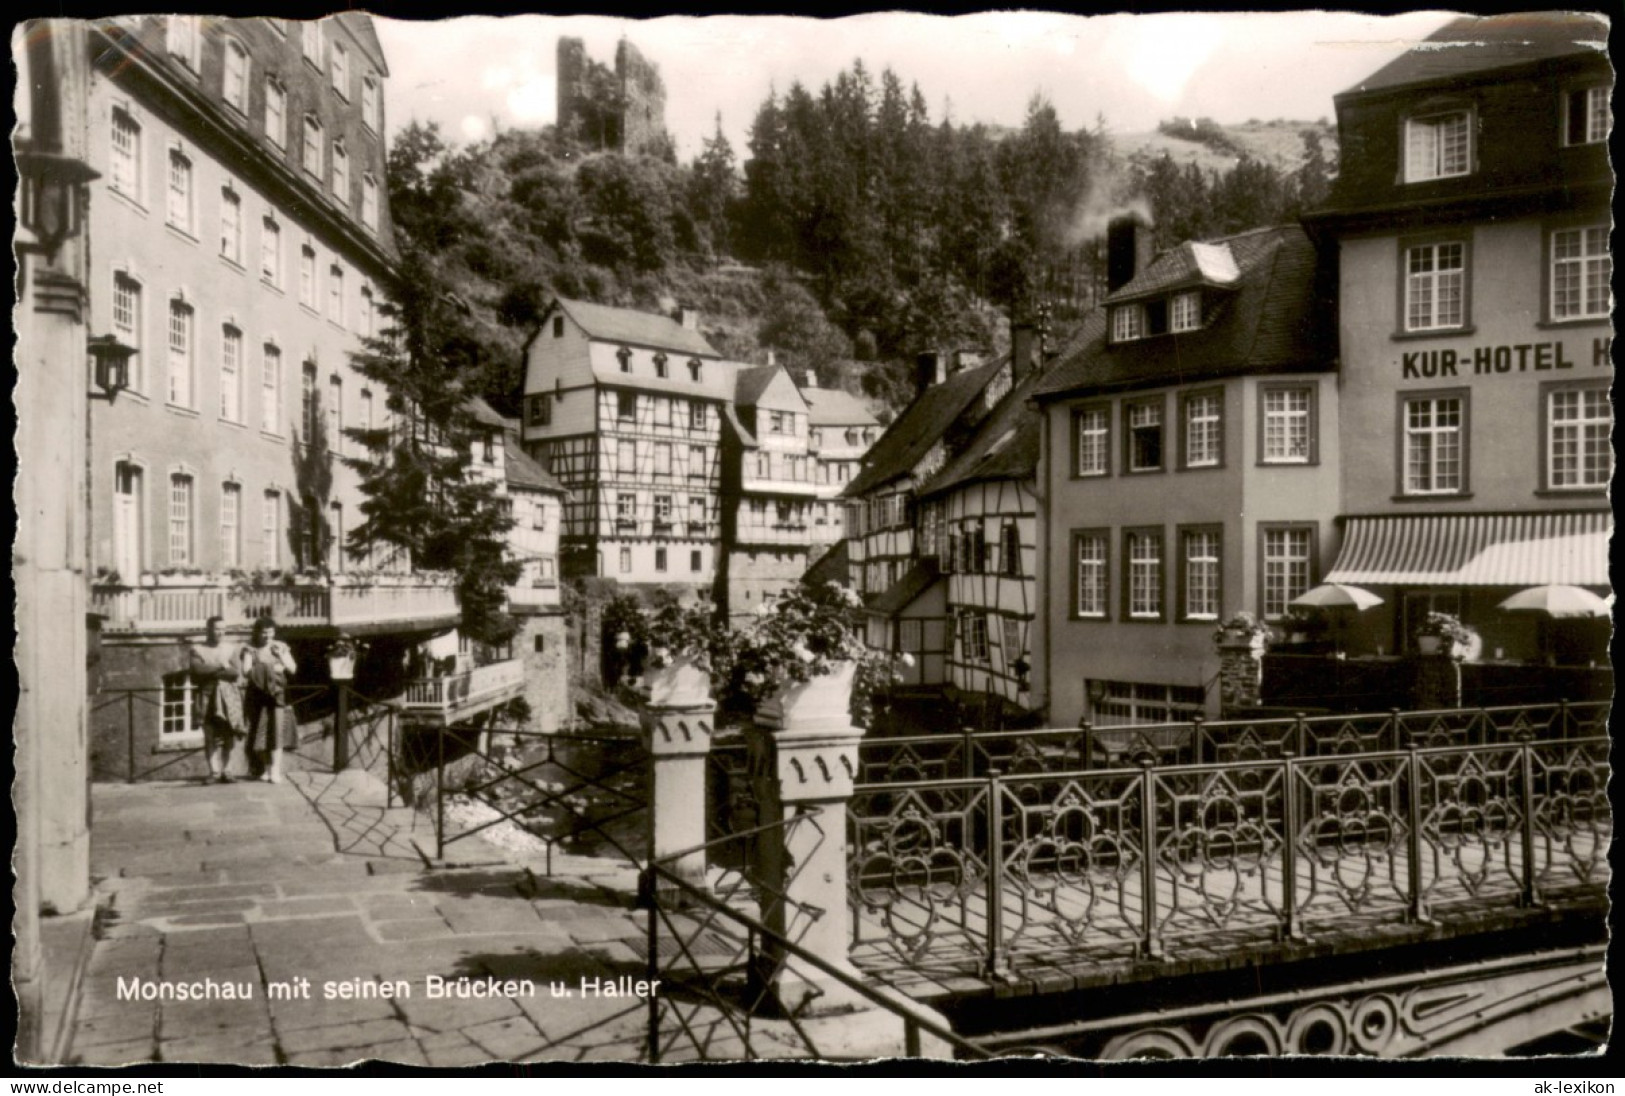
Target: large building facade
(241, 248)
(1191, 458)
(1471, 224)
(625, 408)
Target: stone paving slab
(315, 879)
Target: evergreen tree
(421, 495)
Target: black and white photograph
(760, 539)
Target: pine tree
(421, 495)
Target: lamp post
(341, 671)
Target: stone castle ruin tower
(623, 110)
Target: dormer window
(1438, 146)
(1587, 117)
(693, 369)
(1128, 323)
(660, 365)
(624, 355)
(1185, 312)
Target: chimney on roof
(772, 358)
(1128, 249)
(1023, 342)
(689, 317)
(929, 368)
(811, 380)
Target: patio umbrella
(1335, 595)
(1557, 601)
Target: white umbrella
(1335, 595)
(1557, 601)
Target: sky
(473, 73)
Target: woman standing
(217, 668)
(269, 663)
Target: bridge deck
(1072, 932)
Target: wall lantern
(341, 660)
(1097, 693)
(52, 197)
(110, 363)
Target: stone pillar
(1241, 671)
(1438, 682)
(677, 727)
(804, 755)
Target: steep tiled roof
(897, 597)
(1192, 263)
(484, 413)
(836, 407)
(752, 382)
(626, 325)
(1006, 444)
(920, 426)
(524, 471)
(1478, 43)
(1273, 322)
(832, 566)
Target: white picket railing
(185, 608)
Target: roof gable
(922, 425)
(1275, 321)
(836, 407)
(624, 325)
(1474, 43)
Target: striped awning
(1476, 549)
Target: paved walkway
(258, 886)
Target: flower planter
(679, 684)
(824, 701)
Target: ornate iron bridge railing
(1009, 869)
(969, 753)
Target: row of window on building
(290, 533)
(1287, 554)
(180, 384)
(128, 177)
(1441, 144)
(1288, 414)
(642, 459)
(662, 515)
(1437, 295)
(662, 559)
(185, 43)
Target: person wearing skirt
(270, 730)
(217, 669)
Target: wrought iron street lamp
(110, 364)
(52, 198)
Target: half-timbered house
(893, 553)
(625, 408)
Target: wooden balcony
(443, 701)
(405, 604)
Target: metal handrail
(657, 875)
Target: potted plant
(1302, 625)
(1444, 632)
(805, 656)
(1241, 628)
(341, 659)
(683, 648)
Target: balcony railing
(460, 695)
(185, 608)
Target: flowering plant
(1446, 626)
(807, 632)
(647, 638)
(1242, 622)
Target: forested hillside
(852, 232)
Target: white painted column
(677, 728)
(804, 757)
